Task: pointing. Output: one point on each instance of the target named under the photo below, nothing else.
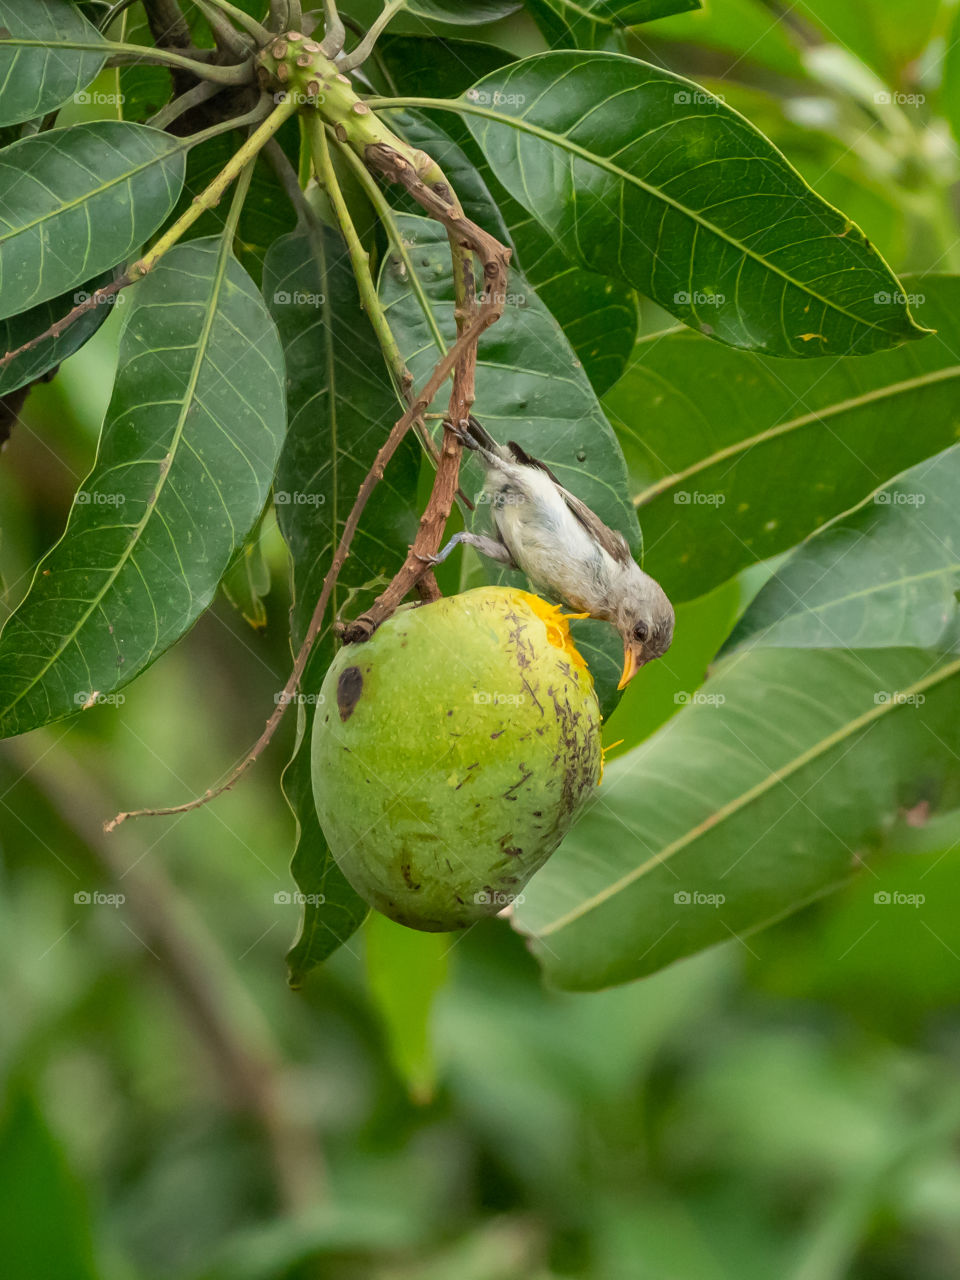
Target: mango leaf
(766, 793)
(582, 24)
(185, 461)
(695, 208)
(49, 353)
(746, 29)
(886, 35)
(599, 316)
(746, 455)
(463, 12)
(33, 79)
(886, 575)
(76, 201)
(341, 407)
(41, 1188)
(530, 389)
(405, 970)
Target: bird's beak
(633, 660)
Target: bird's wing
(614, 543)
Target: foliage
(731, 319)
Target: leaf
(35, 80)
(747, 29)
(767, 792)
(41, 1189)
(75, 202)
(341, 407)
(578, 23)
(886, 575)
(886, 35)
(405, 970)
(745, 455)
(698, 210)
(18, 330)
(598, 315)
(529, 389)
(144, 88)
(469, 13)
(185, 461)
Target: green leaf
(341, 407)
(886, 34)
(531, 389)
(145, 89)
(463, 12)
(886, 575)
(34, 80)
(48, 354)
(75, 202)
(766, 793)
(447, 66)
(746, 29)
(578, 24)
(598, 315)
(696, 209)
(745, 455)
(405, 970)
(40, 1190)
(186, 457)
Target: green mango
(451, 753)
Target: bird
(564, 548)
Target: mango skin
(451, 754)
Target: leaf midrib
(888, 391)
(732, 807)
(601, 162)
(223, 256)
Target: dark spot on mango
(349, 689)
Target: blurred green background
(784, 1106)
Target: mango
(452, 752)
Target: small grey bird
(565, 549)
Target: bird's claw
(426, 559)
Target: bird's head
(644, 619)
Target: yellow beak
(631, 666)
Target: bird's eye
(640, 632)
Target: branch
(362, 51)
